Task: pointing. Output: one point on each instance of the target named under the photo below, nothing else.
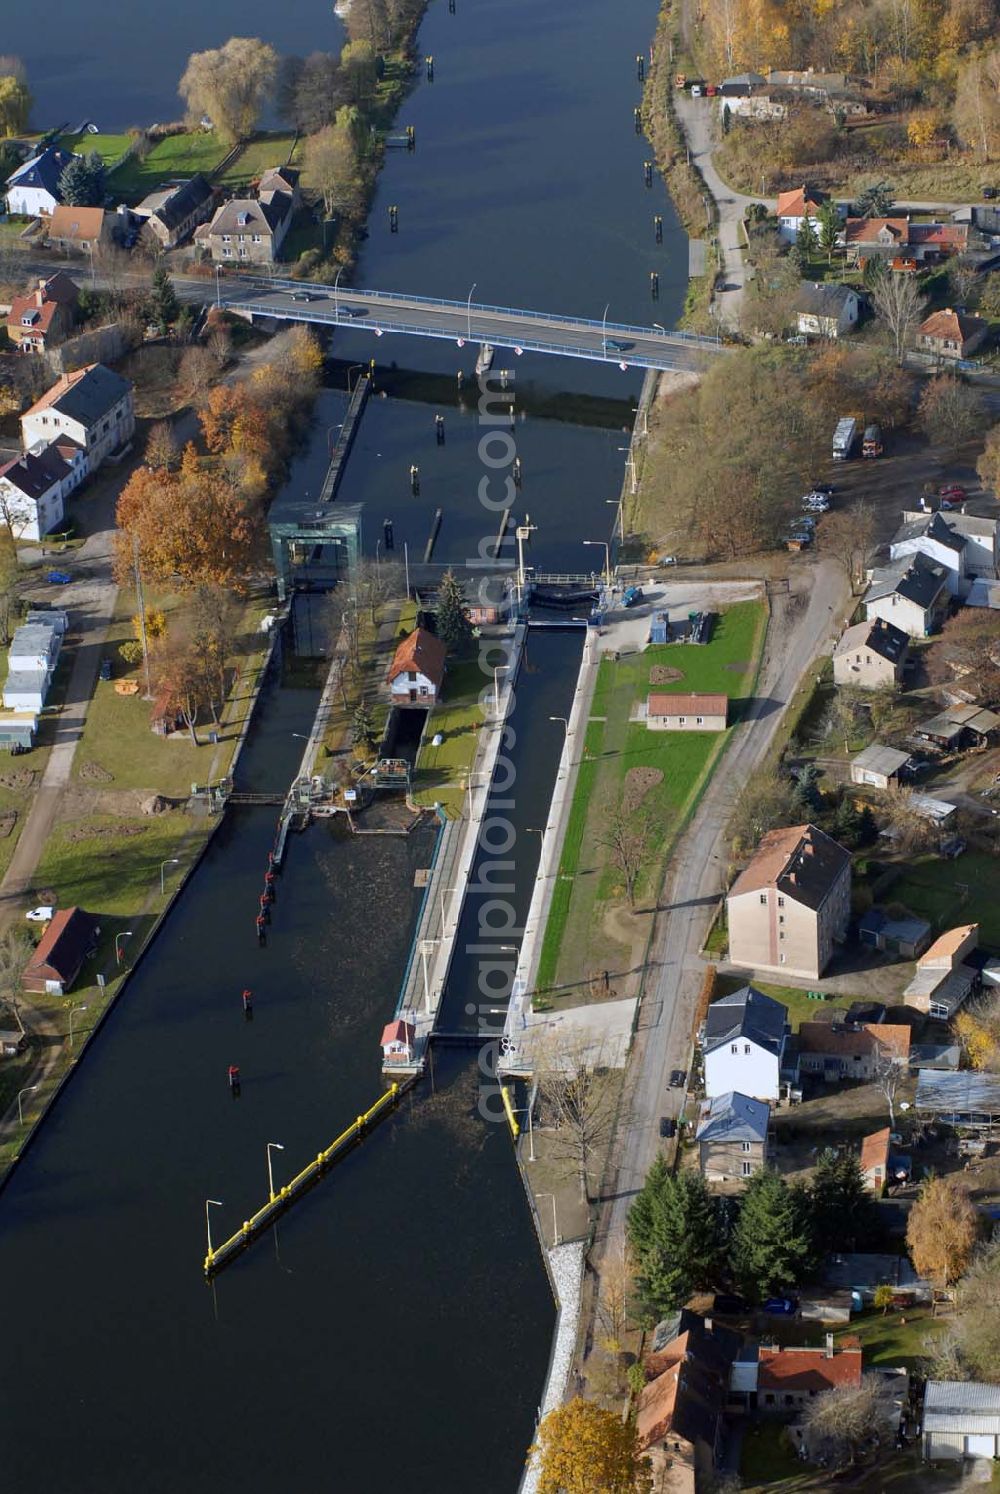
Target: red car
(953, 492)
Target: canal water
(397, 1326)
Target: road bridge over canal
(382, 312)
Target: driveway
(803, 626)
(699, 120)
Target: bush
(131, 651)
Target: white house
(416, 673)
(397, 1042)
(912, 593)
(32, 488)
(743, 1043)
(34, 187)
(826, 309)
(794, 208)
(92, 406)
(961, 1420)
(965, 544)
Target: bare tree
(887, 1076)
(848, 535)
(627, 840)
(375, 582)
(332, 164)
(840, 1422)
(899, 306)
(16, 949)
(910, 827)
(230, 84)
(616, 1291)
(578, 1104)
(162, 447)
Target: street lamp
(122, 934)
(496, 685)
(218, 286)
(563, 720)
(469, 784)
(336, 283)
(604, 330)
(607, 556)
(619, 516)
(423, 959)
(170, 861)
(27, 1091)
(72, 1011)
(446, 892)
(630, 468)
(217, 1203)
(468, 306)
(555, 1222)
(277, 1147)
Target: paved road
(381, 312)
(802, 628)
(699, 121)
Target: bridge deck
(381, 312)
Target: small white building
(961, 1420)
(965, 544)
(912, 593)
(795, 208)
(878, 765)
(743, 1043)
(416, 673)
(92, 406)
(31, 661)
(397, 1042)
(666, 712)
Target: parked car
(989, 193)
(816, 503)
(354, 310)
(780, 1307)
(826, 488)
(806, 524)
(668, 1126)
(729, 1305)
(58, 578)
(105, 668)
(44, 914)
(952, 492)
(667, 560)
(619, 347)
(678, 1079)
(633, 594)
(696, 90)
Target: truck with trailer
(871, 442)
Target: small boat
(485, 360)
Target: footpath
(699, 121)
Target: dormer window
(243, 219)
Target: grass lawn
(767, 1455)
(768, 1463)
(108, 147)
(441, 772)
(263, 152)
(587, 885)
(109, 863)
(952, 892)
(800, 1008)
(176, 156)
(895, 1337)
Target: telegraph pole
(142, 612)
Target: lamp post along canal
(21, 1093)
(275, 1146)
(210, 1203)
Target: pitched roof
(278, 179)
(955, 235)
(967, 1092)
(809, 1369)
(422, 652)
(801, 862)
(948, 945)
(43, 170)
(952, 326)
(664, 704)
(62, 947)
(916, 578)
(258, 217)
(799, 202)
(746, 1013)
(959, 718)
(397, 1032)
(81, 223)
(968, 1406)
(844, 1042)
(733, 1117)
(867, 230)
(823, 299)
(881, 637)
(42, 302)
(685, 1401)
(934, 526)
(181, 200)
(875, 1150)
(33, 474)
(85, 395)
(877, 758)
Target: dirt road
(699, 121)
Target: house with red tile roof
(78, 230)
(943, 979)
(794, 207)
(397, 1042)
(680, 712)
(874, 1161)
(951, 334)
(788, 1379)
(61, 952)
(416, 673)
(836, 1051)
(45, 315)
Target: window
(257, 238)
(746, 1168)
(746, 1048)
(243, 253)
(781, 933)
(781, 917)
(769, 1400)
(763, 899)
(789, 1400)
(226, 252)
(781, 902)
(682, 720)
(699, 720)
(226, 238)
(734, 1048)
(781, 959)
(747, 1145)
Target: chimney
(791, 878)
(708, 1325)
(828, 1354)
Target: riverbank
(695, 206)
